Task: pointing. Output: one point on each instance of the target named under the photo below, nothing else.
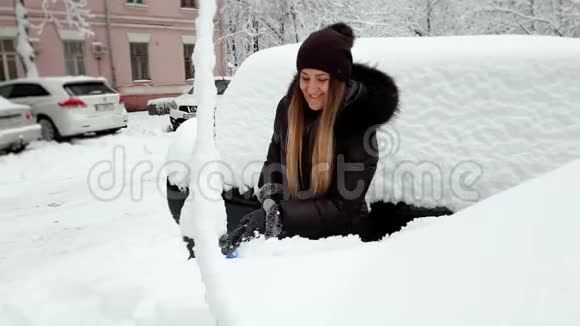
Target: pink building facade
(142, 47)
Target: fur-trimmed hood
(373, 99)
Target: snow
(161, 101)
(512, 259)
(180, 154)
(68, 258)
(479, 114)
(204, 217)
(86, 236)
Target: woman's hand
(265, 220)
(251, 224)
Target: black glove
(251, 223)
(254, 221)
(265, 221)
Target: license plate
(105, 107)
(188, 115)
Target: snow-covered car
(68, 106)
(18, 126)
(477, 116)
(184, 106)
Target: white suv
(69, 106)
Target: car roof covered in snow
(55, 80)
(478, 114)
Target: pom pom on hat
(345, 30)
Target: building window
(74, 58)
(136, 2)
(188, 4)
(187, 52)
(140, 61)
(8, 60)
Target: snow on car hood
(160, 100)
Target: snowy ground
(86, 237)
(71, 254)
(72, 257)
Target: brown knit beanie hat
(328, 50)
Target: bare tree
(430, 5)
(77, 17)
(555, 17)
(569, 17)
(251, 25)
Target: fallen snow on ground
(68, 258)
(86, 237)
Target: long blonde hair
(323, 150)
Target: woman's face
(314, 85)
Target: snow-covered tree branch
(251, 25)
(526, 19)
(24, 48)
(546, 17)
(76, 17)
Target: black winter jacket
(372, 101)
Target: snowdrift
(511, 259)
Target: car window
(27, 90)
(87, 88)
(221, 85)
(190, 91)
(5, 91)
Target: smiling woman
(452, 144)
(331, 109)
